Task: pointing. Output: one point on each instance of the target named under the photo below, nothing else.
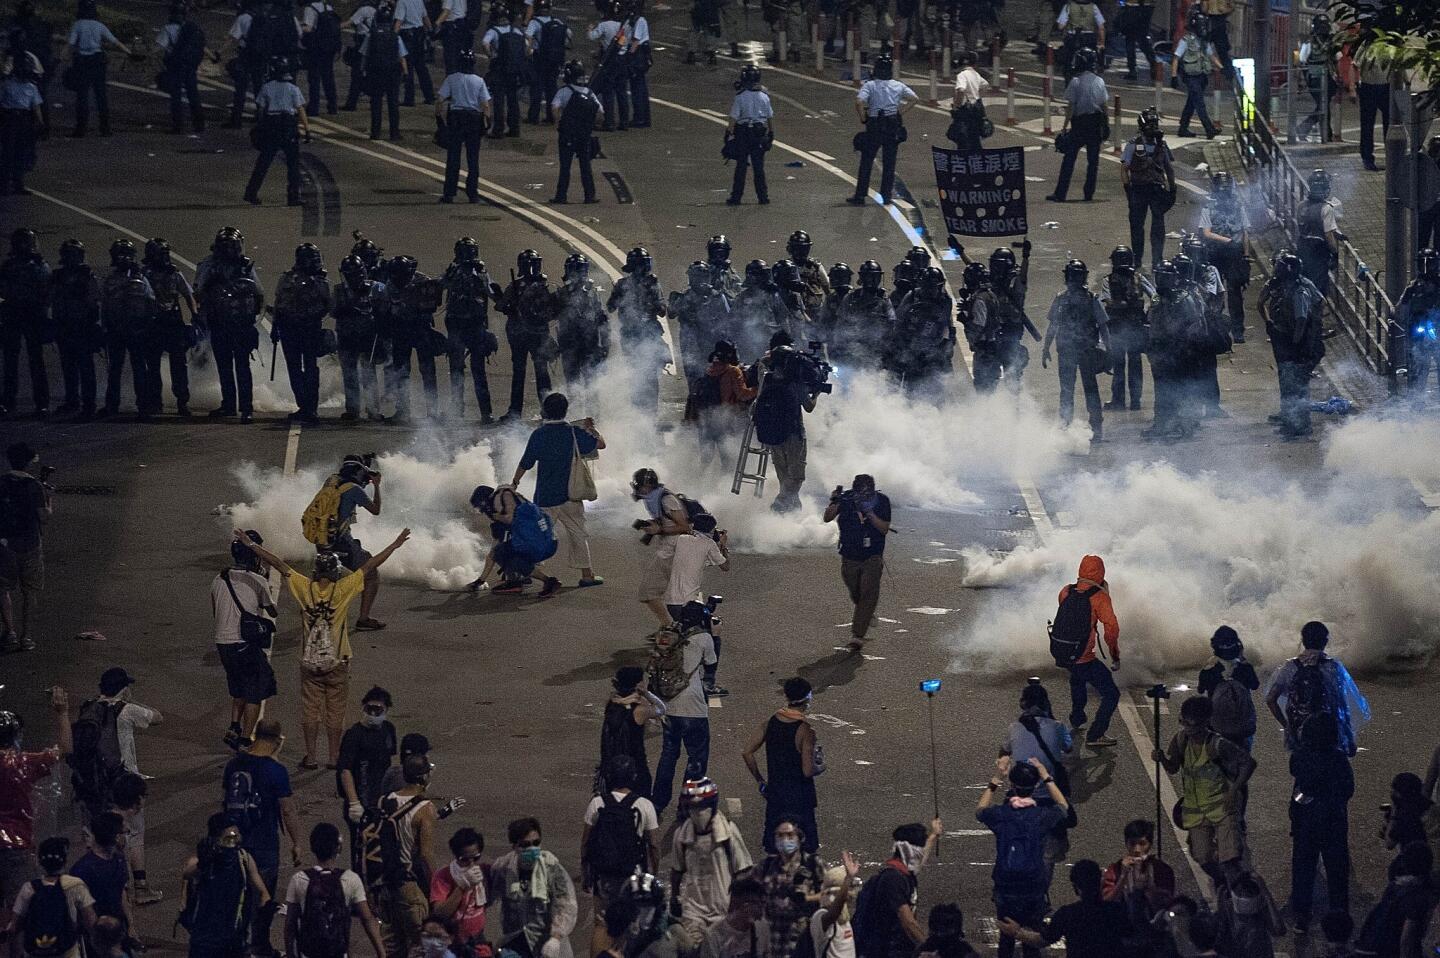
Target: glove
(1025, 247)
(354, 812)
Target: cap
(413, 743)
(114, 680)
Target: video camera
(811, 368)
(362, 467)
(701, 615)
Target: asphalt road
(511, 690)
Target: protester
(408, 863)
(668, 519)
(863, 515)
(622, 731)
(687, 713)
(27, 507)
(523, 539)
(104, 870)
(458, 893)
(412, 743)
(1085, 668)
(537, 900)
(1036, 734)
(1405, 819)
(19, 771)
(109, 939)
(128, 798)
(788, 784)
(1250, 921)
(365, 752)
(705, 545)
(1140, 881)
(1021, 826)
(886, 908)
(1314, 682)
(792, 880)
(743, 933)
(708, 852)
(321, 901)
(1319, 818)
(1228, 680)
(225, 894)
(54, 913)
(115, 691)
(946, 925)
(244, 625)
(558, 448)
(1397, 924)
(621, 834)
(1091, 927)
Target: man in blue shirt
(354, 470)
(1085, 98)
(256, 798)
(553, 447)
(863, 514)
(87, 40)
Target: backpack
(693, 508)
(384, 863)
(215, 905)
(1071, 630)
(577, 120)
(1020, 857)
(1192, 61)
(868, 923)
(554, 34)
(272, 34)
(1082, 17)
(615, 847)
(319, 651)
(128, 302)
(189, 47)
(382, 54)
(1233, 712)
(668, 677)
(1308, 695)
(532, 537)
(325, 39)
(509, 61)
(704, 392)
(320, 522)
(242, 797)
(48, 928)
(466, 295)
(325, 921)
(239, 301)
(1145, 167)
(13, 504)
(302, 297)
(95, 758)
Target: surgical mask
(434, 945)
(530, 855)
(909, 855)
(372, 721)
(786, 846)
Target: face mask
(529, 855)
(434, 945)
(644, 920)
(702, 818)
(909, 855)
(372, 721)
(786, 846)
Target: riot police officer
(786, 277)
(1174, 318)
(24, 314)
(228, 290)
(529, 308)
(282, 121)
(1126, 295)
(1148, 173)
(173, 336)
(1084, 27)
(1319, 232)
(758, 312)
(903, 277)
(1291, 308)
(1009, 285)
(464, 102)
(549, 37)
(881, 105)
(749, 134)
(578, 108)
(302, 301)
(582, 325)
(75, 308)
(1418, 314)
(468, 292)
(128, 313)
(509, 52)
(357, 337)
(700, 315)
(921, 348)
(980, 316)
(1205, 282)
(1081, 326)
(717, 257)
(638, 304)
(1223, 225)
(840, 280)
(384, 59)
(867, 318)
(408, 314)
(814, 285)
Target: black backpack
(1070, 631)
(509, 62)
(216, 905)
(95, 757)
(382, 53)
(1308, 695)
(189, 48)
(577, 120)
(615, 847)
(868, 924)
(693, 507)
(272, 34)
(242, 797)
(704, 392)
(325, 921)
(48, 928)
(384, 863)
(325, 39)
(553, 36)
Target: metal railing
(1358, 301)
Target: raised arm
(376, 561)
(266, 556)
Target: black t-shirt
(365, 752)
(22, 498)
(1091, 929)
(884, 935)
(859, 539)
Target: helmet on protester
(467, 250)
(840, 275)
(641, 478)
(698, 793)
(871, 274)
(1317, 185)
(1077, 274)
(327, 566)
(643, 888)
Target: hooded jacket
(1092, 575)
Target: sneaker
(587, 583)
(552, 586)
(1115, 404)
(716, 691)
(1101, 741)
(143, 894)
(369, 624)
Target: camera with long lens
(701, 615)
(811, 368)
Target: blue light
(930, 686)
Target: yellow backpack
(321, 520)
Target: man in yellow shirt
(324, 601)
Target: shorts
(248, 674)
(1215, 842)
(352, 556)
(605, 890)
(323, 695)
(17, 866)
(655, 577)
(9, 568)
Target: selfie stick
(930, 687)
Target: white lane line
(1036, 507)
(292, 449)
(824, 156)
(104, 222)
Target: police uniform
(921, 347)
(24, 314)
(359, 346)
(171, 337)
(756, 315)
(1292, 312)
(700, 315)
(319, 62)
(611, 76)
(1076, 321)
(546, 63)
(362, 21)
(302, 301)
(1227, 218)
(37, 36)
(1010, 305)
(981, 317)
(1126, 300)
(967, 110)
(1173, 319)
(1133, 22)
(637, 60)
(468, 291)
(867, 321)
(1088, 97)
(410, 325)
(638, 303)
(180, 73)
(20, 106)
(582, 331)
(1082, 21)
(814, 285)
(751, 113)
(505, 75)
(575, 132)
(87, 41)
(128, 313)
(414, 24)
(883, 130)
(529, 308)
(1318, 219)
(1193, 56)
(279, 104)
(1150, 164)
(75, 308)
(465, 124)
(1418, 314)
(230, 298)
(455, 32)
(247, 69)
(381, 53)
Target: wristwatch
(1046, 781)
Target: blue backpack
(532, 537)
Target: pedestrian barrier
(995, 66)
(1049, 84)
(1116, 137)
(1010, 99)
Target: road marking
(292, 449)
(1036, 507)
(105, 222)
(824, 156)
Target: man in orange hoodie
(1088, 669)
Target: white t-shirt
(350, 884)
(77, 897)
(132, 716)
(694, 553)
(253, 591)
(838, 941)
(649, 821)
(691, 703)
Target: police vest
(1312, 220)
(1226, 218)
(355, 315)
(1193, 60)
(466, 294)
(1125, 296)
(1082, 17)
(165, 283)
(302, 297)
(22, 282)
(72, 296)
(1146, 167)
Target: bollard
(946, 67)
(1159, 81)
(1049, 81)
(995, 66)
(1010, 99)
(1115, 129)
(818, 47)
(782, 48)
(1215, 110)
(855, 55)
(934, 82)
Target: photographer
(863, 514)
(705, 546)
(779, 426)
(356, 472)
(668, 521)
(24, 507)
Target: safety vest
(1082, 17)
(1193, 60)
(1204, 783)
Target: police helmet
(931, 282)
(327, 566)
(1196, 22)
(11, 725)
(1222, 183)
(1193, 246)
(798, 245)
(402, 269)
(904, 272)
(1427, 263)
(1122, 257)
(122, 253)
(1167, 277)
(466, 250)
(840, 275)
(884, 67)
(786, 274)
(157, 252)
(1320, 25)
(466, 60)
(975, 275)
(72, 253)
(638, 261)
(22, 242)
(918, 256)
(353, 267)
(1002, 262)
(279, 68)
(1286, 265)
(229, 243)
(717, 250)
(367, 249)
(698, 275)
(574, 73)
(1318, 185)
(542, 8)
(528, 263)
(1149, 121)
(385, 13)
(243, 556)
(1184, 265)
(308, 258)
(1084, 60)
(757, 273)
(749, 77)
(871, 274)
(1076, 273)
(577, 266)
